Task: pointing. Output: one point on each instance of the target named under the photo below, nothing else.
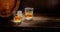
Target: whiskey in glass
(28, 13)
(18, 17)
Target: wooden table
(40, 21)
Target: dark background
(47, 7)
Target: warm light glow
(18, 18)
(29, 15)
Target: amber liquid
(28, 15)
(18, 18)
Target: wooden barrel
(8, 6)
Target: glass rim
(29, 8)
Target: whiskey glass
(17, 17)
(28, 13)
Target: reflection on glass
(28, 13)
